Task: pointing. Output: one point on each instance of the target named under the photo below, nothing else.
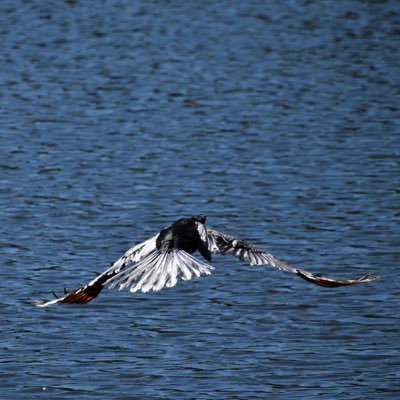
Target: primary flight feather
(162, 259)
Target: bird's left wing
(88, 292)
(222, 243)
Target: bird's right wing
(88, 292)
(222, 243)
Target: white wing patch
(202, 229)
(134, 254)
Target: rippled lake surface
(278, 119)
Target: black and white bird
(167, 256)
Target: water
(279, 120)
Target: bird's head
(199, 218)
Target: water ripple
(278, 121)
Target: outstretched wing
(88, 292)
(222, 243)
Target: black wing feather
(222, 243)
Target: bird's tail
(159, 269)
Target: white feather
(159, 269)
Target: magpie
(162, 259)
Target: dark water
(279, 120)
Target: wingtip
(45, 303)
(370, 278)
(333, 283)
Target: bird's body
(162, 259)
(183, 235)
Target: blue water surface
(278, 119)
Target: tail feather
(163, 277)
(149, 278)
(159, 269)
(172, 274)
(152, 276)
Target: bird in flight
(162, 259)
